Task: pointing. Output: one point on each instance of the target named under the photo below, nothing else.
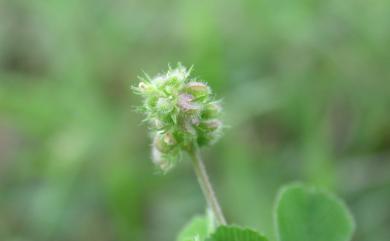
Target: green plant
(183, 116)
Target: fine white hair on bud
(160, 160)
(212, 125)
(163, 104)
(181, 112)
(142, 86)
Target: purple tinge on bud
(198, 88)
(185, 103)
(195, 121)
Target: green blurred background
(306, 89)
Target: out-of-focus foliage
(197, 229)
(301, 213)
(304, 213)
(232, 233)
(306, 88)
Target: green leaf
(231, 233)
(308, 214)
(196, 230)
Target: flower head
(180, 112)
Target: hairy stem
(207, 189)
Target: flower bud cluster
(180, 111)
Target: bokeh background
(306, 89)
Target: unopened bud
(195, 121)
(212, 110)
(169, 139)
(144, 87)
(185, 103)
(179, 73)
(165, 142)
(209, 137)
(198, 89)
(156, 123)
(212, 125)
(159, 80)
(160, 160)
(164, 105)
(191, 124)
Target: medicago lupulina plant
(183, 115)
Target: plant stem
(207, 189)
